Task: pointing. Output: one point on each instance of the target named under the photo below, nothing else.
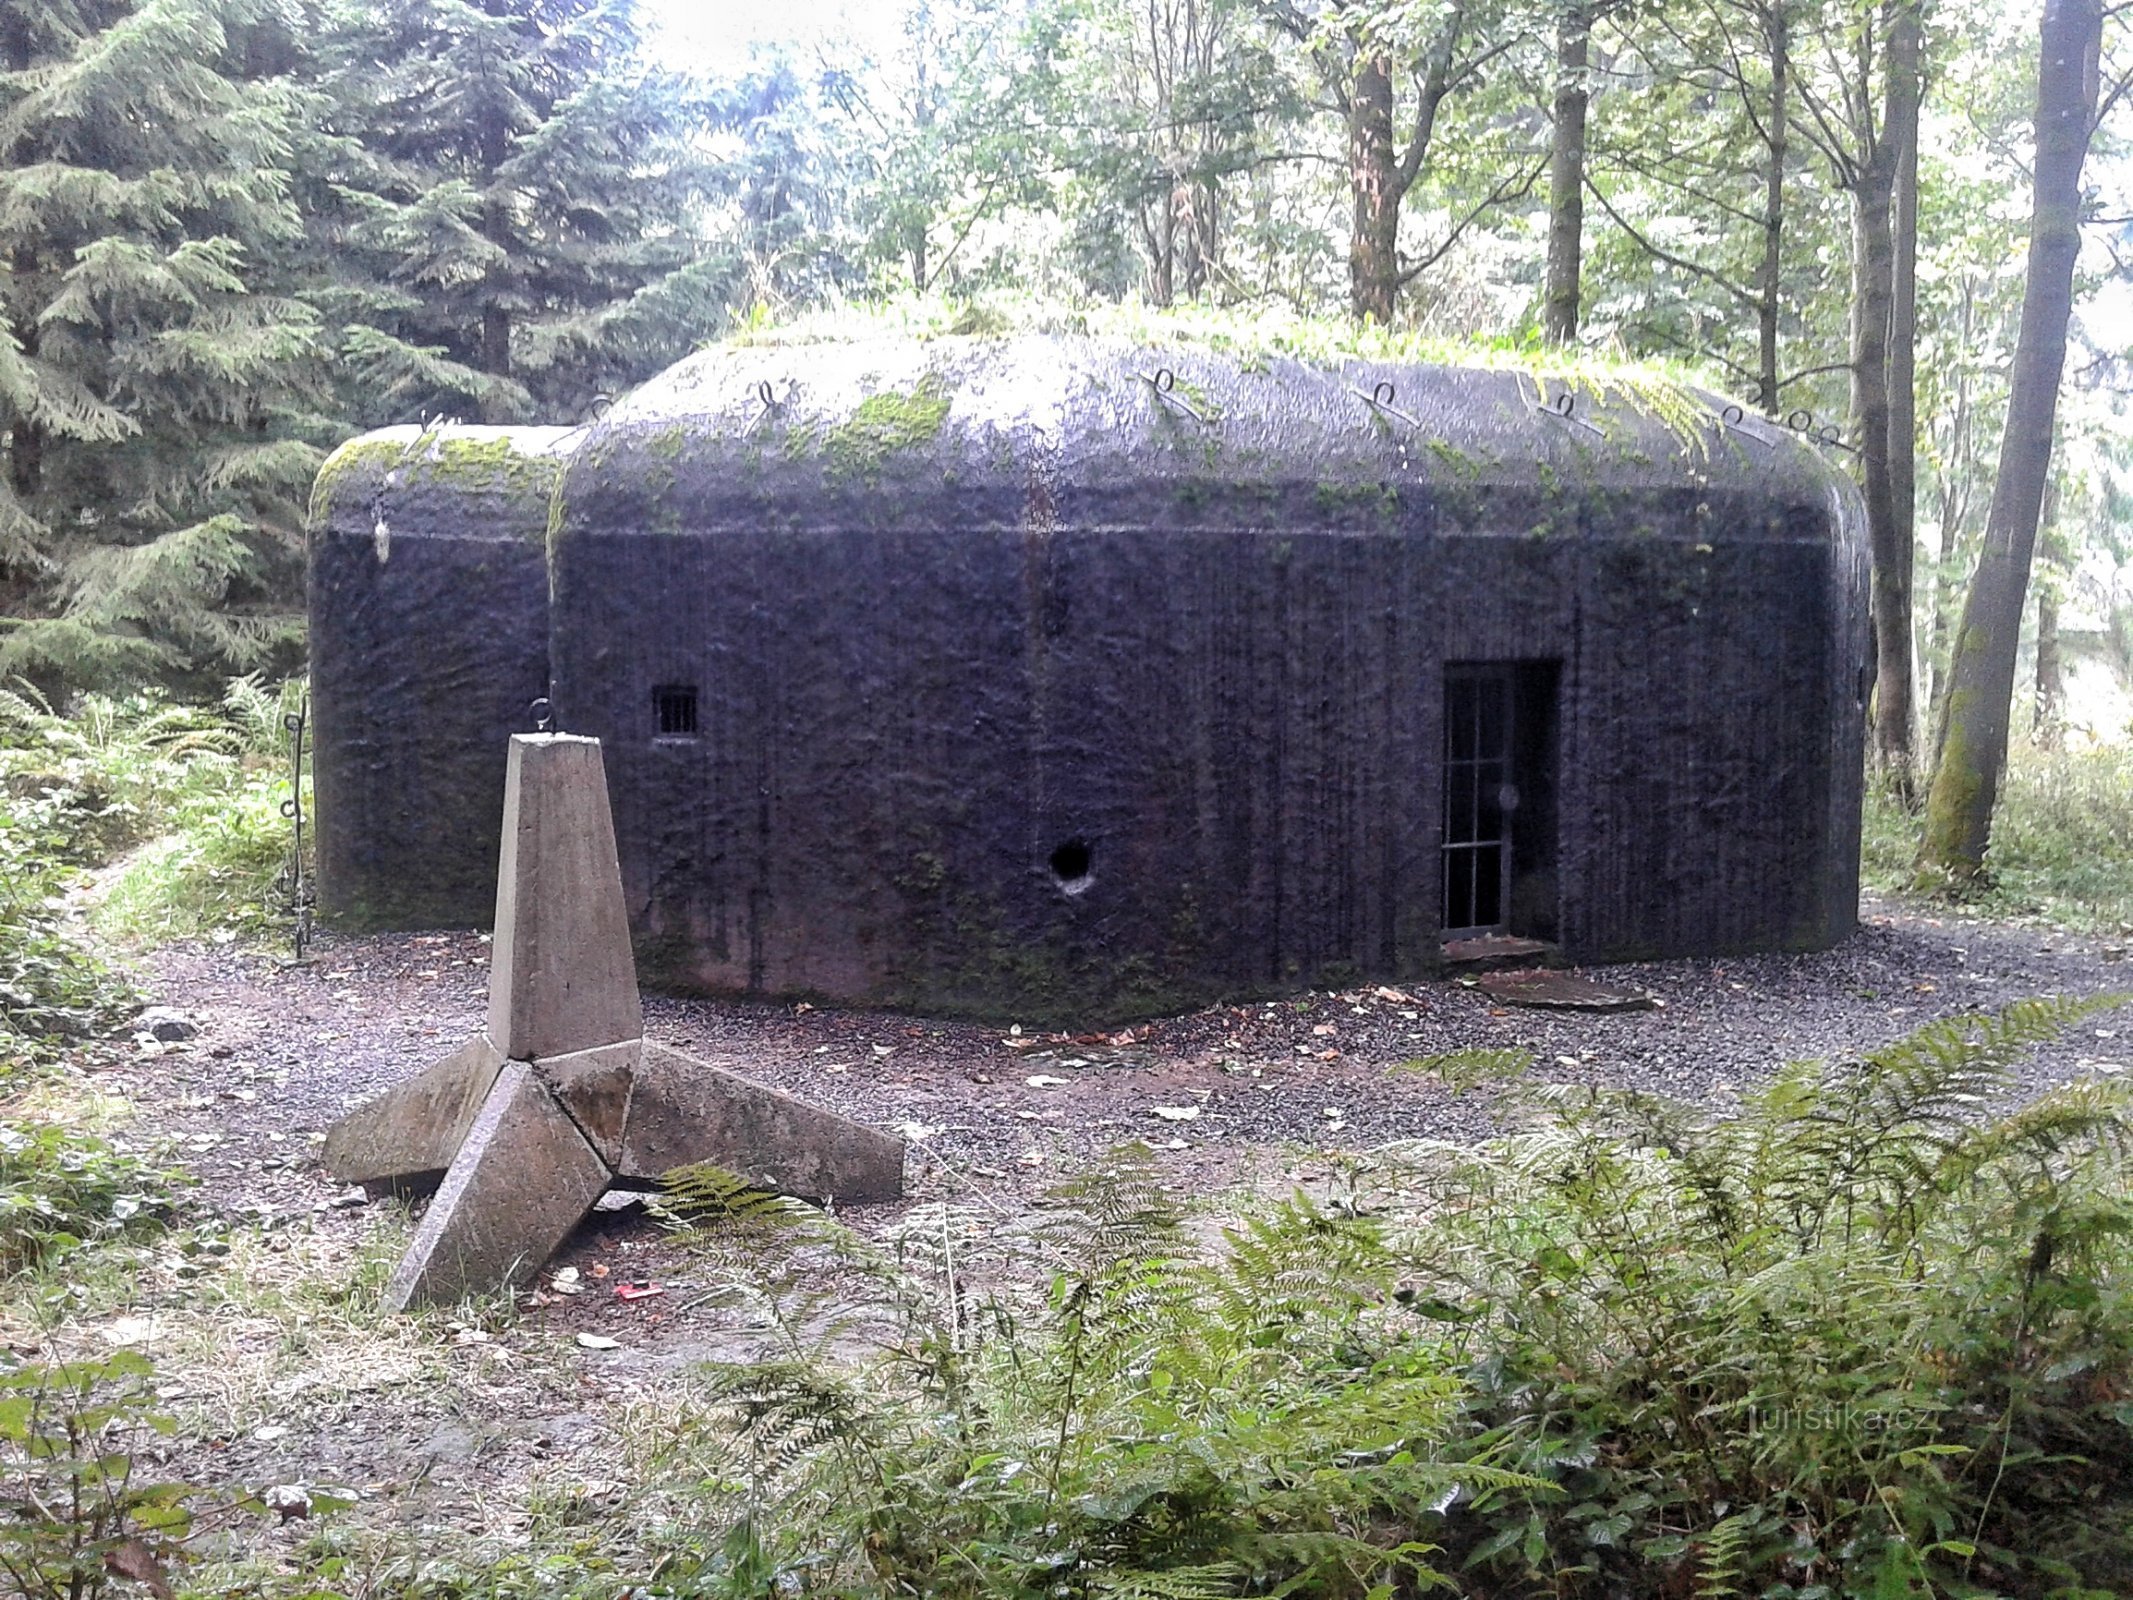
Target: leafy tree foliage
(155, 378)
(519, 186)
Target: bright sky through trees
(716, 35)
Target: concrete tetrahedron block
(519, 1184)
(594, 1087)
(561, 974)
(533, 1120)
(411, 1132)
(685, 1111)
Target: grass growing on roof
(1252, 336)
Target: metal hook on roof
(1802, 422)
(1164, 383)
(543, 714)
(1564, 408)
(426, 431)
(1735, 417)
(1381, 397)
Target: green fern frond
(1215, 1580)
(1461, 1070)
(706, 1196)
(785, 1411)
(1115, 1213)
(1720, 1552)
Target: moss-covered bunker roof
(975, 431)
(886, 429)
(457, 479)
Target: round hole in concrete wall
(1071, 864)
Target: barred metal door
(1478, 798)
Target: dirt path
(282, 1375)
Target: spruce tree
(520, 202)
(151, 405)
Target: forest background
(234, 232)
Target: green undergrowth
(2062, 839)
(1866, 1335)
(1856, 1338)
(177, 807)
(62, 1189)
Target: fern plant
(1866, 1336)
(1127, 1407)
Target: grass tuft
(2062, 839)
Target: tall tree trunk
(1770, 280)
(25, 440)
(1953, 509)
(2051, 671)
(1161, 233)
(1873, 300)
(1374, 182)
(1981, 676)
(25, 452)
(1905, 91)
(2049, 716)
(921, 19)
(495, 354)
(1566, 175)
(496, 340)
(1872, 280)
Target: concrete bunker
(1067, 679)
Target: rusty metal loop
(1164, 382)
(1380, 398)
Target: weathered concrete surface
(561, 976)
(955, 610)
(594, 1087)
(1490, 951)
(1027, 689)
(428, 639)
(1560, 991)
(410, 1133)
(686, 1111)
(519, 1184)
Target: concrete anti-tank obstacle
(561, 1096)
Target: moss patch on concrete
(439, 460)
(885, 425)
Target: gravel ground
(439, 1423)
(283, 1050)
